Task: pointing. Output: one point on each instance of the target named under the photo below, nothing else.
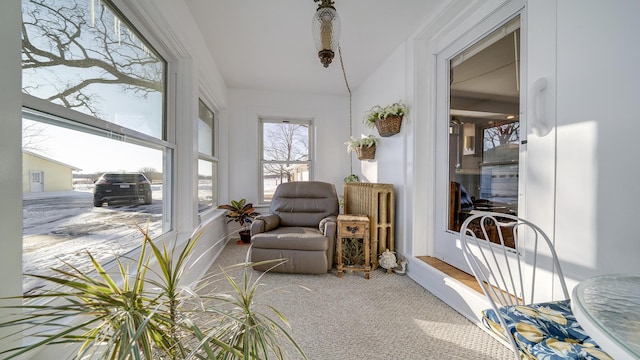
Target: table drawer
(355, 229)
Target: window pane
(205, 129)
(278, 173)
(484, 128)
(285, 141)
(207, 184)
(285, 153)
(63, 218)
(83, 55)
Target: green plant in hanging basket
(365, 141)
(364, 147)
(387, 119)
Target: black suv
(122, 187)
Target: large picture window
(97, 162)
(286, 156)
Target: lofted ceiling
(268, 44)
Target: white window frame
(214, 157)
(274, 120)
(168, 140)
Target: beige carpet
(386, 317)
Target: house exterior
(42, 174)
(578, 176)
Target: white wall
(597, 106)
(330, 115)
(386, 86)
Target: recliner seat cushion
(292, 238)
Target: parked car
(127, 187)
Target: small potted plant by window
(364, 147)
(387, 119)
(242, 213)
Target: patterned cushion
(546, 331)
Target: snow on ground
(63, 226)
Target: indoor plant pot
(387, 120)
(242, 213)
(366, 152)
(245, 236)
(364, 147)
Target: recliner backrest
(304, 203)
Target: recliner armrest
(328, 226)
(264, 223)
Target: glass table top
(608, 308)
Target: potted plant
(146, 312)
(387, 119)
(364, 147)
(352, 252)
(243, 213)
(352, 178)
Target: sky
(93, 153)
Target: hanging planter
(387, 120)
(365, 147)
(389, 125)
(366, 152)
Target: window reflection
(484, 128)
(85, 56)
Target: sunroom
(189, 93)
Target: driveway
(63, 226)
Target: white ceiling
(268, 44)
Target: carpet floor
(388, 316)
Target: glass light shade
(326, 33)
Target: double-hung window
(207, 158)
(94, 111)
(285, 153)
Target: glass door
(480, 133)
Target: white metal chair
(517, 268)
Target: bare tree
(33, 136)
(500, 142)
(502, 135)
(73, 45)
(151, 173)
(285, 143)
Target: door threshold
(452, 271)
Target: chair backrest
(517, 265)
(304, 203)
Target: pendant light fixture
(326, 31)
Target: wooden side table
(354, 227)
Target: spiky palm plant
(141, 314)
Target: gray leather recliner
(301, 228)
